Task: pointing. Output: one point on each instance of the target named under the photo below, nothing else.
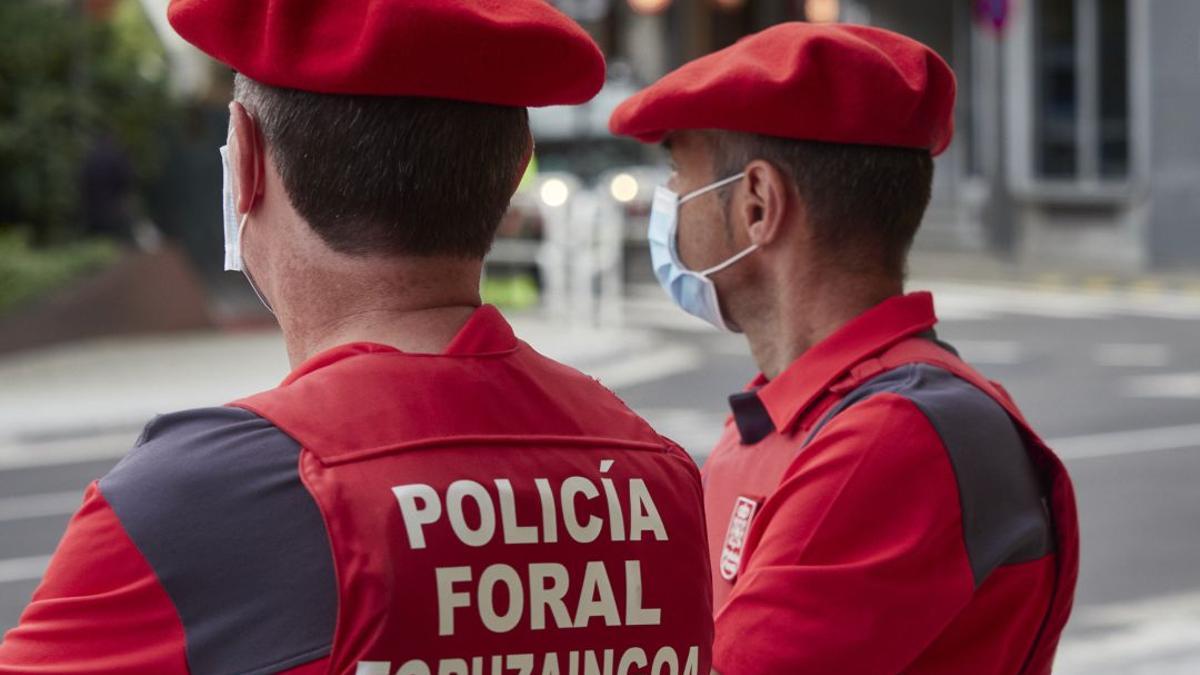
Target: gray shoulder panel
(213, 500)
(1005, 520)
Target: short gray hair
(392, 175)
(864, 202)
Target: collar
(776, 405)
(486, 333)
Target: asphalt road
(1115, 384)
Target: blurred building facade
(1078, 144)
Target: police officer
(424, 494)
(874, 505)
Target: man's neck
(802, 316)
(419, 313)
(415, 331)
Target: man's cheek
(690, 244)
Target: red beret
(504, 52)
(836, 83)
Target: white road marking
(1157, 636)
(69, 450)
(980, 301)
(23, 569)
(696, 431)
(1132, 442)
(964, 301)
(37, 506)
(662, 313)
(1174, 385)
(656, 364)
(991, 352)
(1131, 355)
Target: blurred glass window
(1081, 76)
(1114, 89)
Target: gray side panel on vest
(1005, 519)
(213, 500)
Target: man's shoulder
(204, 469)
(213, 500)
(910, 393)
(191, 449)
(194, 421)
(921, 408)
(998, 486)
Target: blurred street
(1111, 377)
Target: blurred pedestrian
(108, 182)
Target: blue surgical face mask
(234, 228)
(693, 291)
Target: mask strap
(719, 184)
(728, 263)
(242, 229)
(246, 270)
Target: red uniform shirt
(881, 508)
(481, 511)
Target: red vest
(1061, 493)
(744, 495)
(491, 511)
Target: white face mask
(235, 229)
(694, 292)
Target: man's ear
(766, 199)
(246, 157)
(523, 166)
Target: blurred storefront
(1074, 144)
(1078, 144)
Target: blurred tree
(71, 78)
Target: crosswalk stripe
(1131, 355)
(1132, 442)
(1156, 635)
(656, 364)
(84, 447)
(23, 569)
(1168, 385)
(38, 506)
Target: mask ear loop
(709, 188)
(242, 231)
(728, 263)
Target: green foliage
(26, 273)
(66, 78)
(512, 292)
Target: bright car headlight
(555, 192)
(624, 188)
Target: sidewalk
(969, 267)
(104, 391)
